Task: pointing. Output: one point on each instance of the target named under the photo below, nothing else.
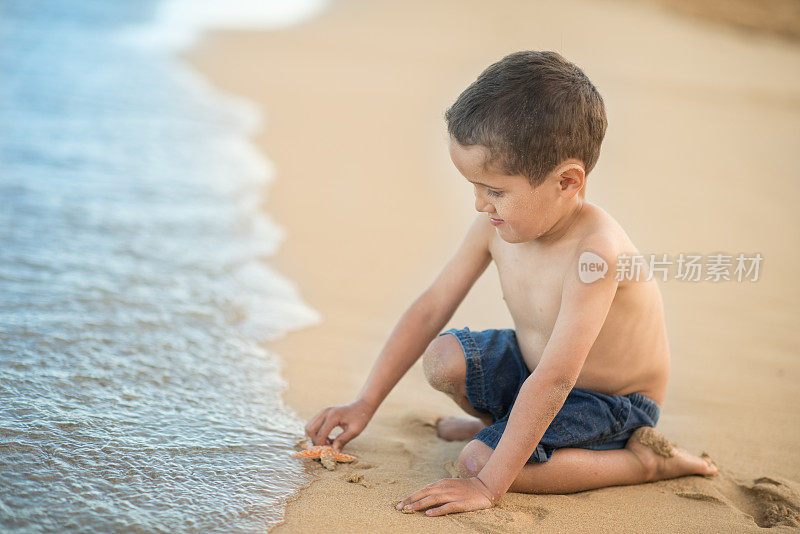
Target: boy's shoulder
(599, 233)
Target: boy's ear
(571, 178)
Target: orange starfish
(326, 454)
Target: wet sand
(704, 122)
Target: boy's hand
(451, 495)
(351, 418)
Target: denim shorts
(588, 420)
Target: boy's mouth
(495, 222)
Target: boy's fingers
(342, 439)
(445, 509)
(417, 495)
(328, 425)
(313, 426)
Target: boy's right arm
(417, 327)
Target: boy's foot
(456, 428)
(662, 460)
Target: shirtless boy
(567, 400)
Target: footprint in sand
(698, 496)
(768, 501)
(500, 520)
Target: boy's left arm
(584, 307)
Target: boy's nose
(481, 204)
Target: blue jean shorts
(588, 420)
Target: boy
(565, 401)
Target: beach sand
(699, 157)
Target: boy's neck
(565, 224)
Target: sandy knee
(444, 364)
(473, 457)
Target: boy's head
(536, 118)
(531, 110)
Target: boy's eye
(493, 193)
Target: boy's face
(519, 212)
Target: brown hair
(532, 110)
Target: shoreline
(373, 209)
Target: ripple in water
(133, 394)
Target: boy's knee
(473, 457)
(444, 364)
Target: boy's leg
(481, 371)
(446, 370)
(571, 470)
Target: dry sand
(700, 157)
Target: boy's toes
(455, 428)
(711, 467)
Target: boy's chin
(511, 239)
(514, 238)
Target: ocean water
(134, 291)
